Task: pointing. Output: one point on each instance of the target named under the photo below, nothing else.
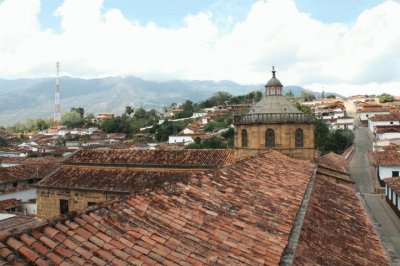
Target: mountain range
(31, 98)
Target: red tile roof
(240, 214)
(393, 183)
(113, 179)
(334, 161)
(25, 172)
(161, 158)
(374, 110)
(388, 157)
(9, 204)
(386, 129)
(388, 117)
(336, 230)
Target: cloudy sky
(347, 46)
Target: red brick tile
(28, 253)
(54, 258)
(141, 249)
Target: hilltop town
(258, 179)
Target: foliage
(229, 137)
(187, 110)
(31, 125)
(303, 108)
(251, 97)
(129, 110)
(331, 96)
(116, 125)
(219, 123)
(3, 142)
(217, 99)
(79, 110)
(384, 98)
(307, 95)
(140, 113)
(337, 140)
(211, 143)
(71, 119)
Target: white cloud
(97, 42)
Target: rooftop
(387, 129)
(240, 214)
(155, 158)
(113, 179)
(393, 183)
(386, 117)
(25, 172)
(336, 230)
(334, 161)
(389, 157)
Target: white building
(383, 120)
(387, 132)
(344, 122)
(367, 113)
(392, 193)
(387, 162)
(180, 139)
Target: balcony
(273, 118)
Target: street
(385, 221)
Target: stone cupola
(273, 86)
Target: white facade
(393, 197)
(187, 131)
(196, 115)
(388, 171)
(28, 207)
(180, 139)
(373, 124)
(388, 135)
(24, 195)
(367, 115)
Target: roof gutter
(290, 249)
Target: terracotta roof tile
(336, 230)
(389, 157)
(389, 128)
(334, 161)
(9, 204)
(239, 214)
(393, 183)
(25, 172)
(153, 158)
(118, 179)
(387, 117)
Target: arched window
(269, 138)
(244, 138)
(299, 138)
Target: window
(63, 206)
(244, 138)
(269, 138)
(367, 115)
(395, 173)
(15, 184)
(299, 138)
(391, 122)
(91, 203)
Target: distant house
(387, 162)
(387, 132)
(368, 112)
(392, 192)
(391, 119)
(343, 122)
(180, 139)
(104, 116)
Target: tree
(79, 110)
(3, 142)
(71, 119)
(331, 96)
(384, 98)
(307, 95)
(116, 125)
(41, 124)
(321, 135)
(129, 110)
(140, 113)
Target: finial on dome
(273, 71)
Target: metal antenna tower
(57, 103)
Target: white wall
(366, 116)
(372, 124)
(386, 171)
(24, 195)
(389, 135)
(180, 139)
(29, 208)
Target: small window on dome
(299, 138)
(269, 138)
(244, 138)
